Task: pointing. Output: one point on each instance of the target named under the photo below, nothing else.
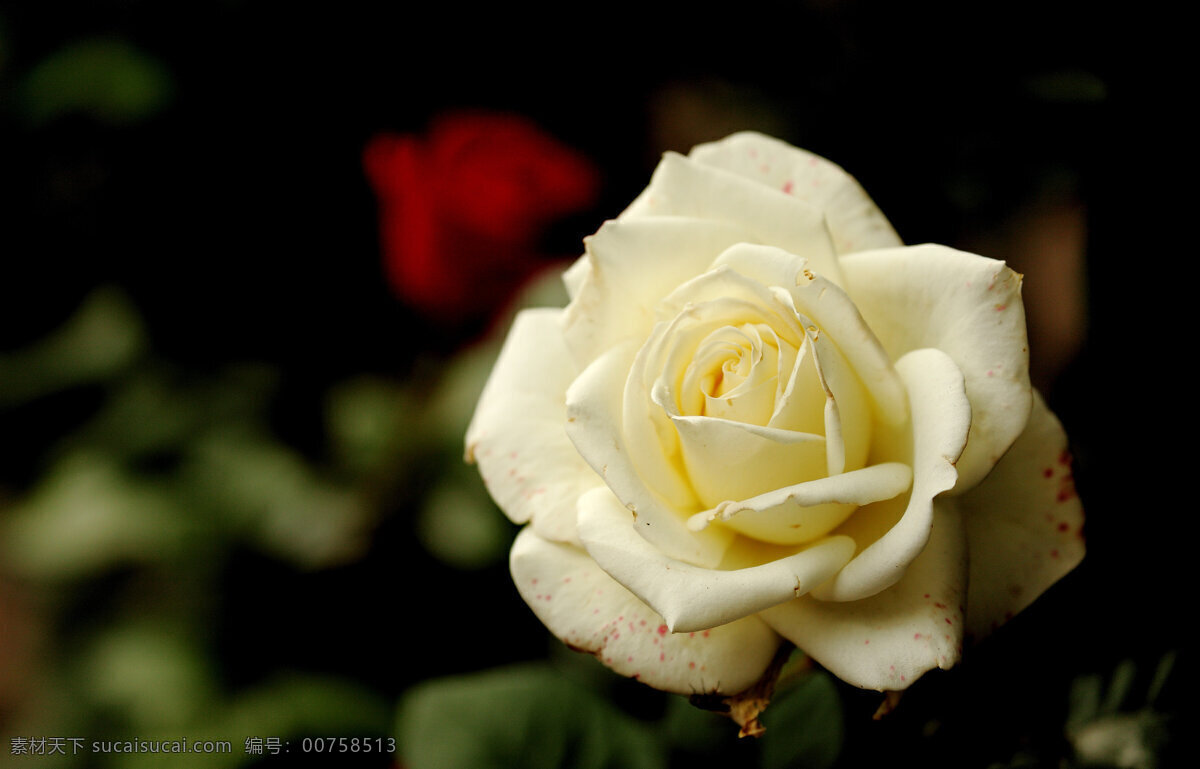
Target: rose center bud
(735, 374)
(752, 411)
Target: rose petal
(576, 275)
(633, 264)
(683, 187)
(805, 511)
(728, 461)
(595, 426)
(967, 306)
(713, 305)
(593, 613)
(691, 597)
(829, 307)
(517, 434)
(889, 640)
(855, 222)
(1024, 524)
(941, 419)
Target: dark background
(236, 216)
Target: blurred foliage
(165, 465)
(543, 715)
(520, 717)
(1119, 722)
(122, 539)
(106, 78)
(100, 339)
(805, 724)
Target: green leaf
(804, 725)
(460, 525)
(86, 515)
(288, 707)
(107, 78)
(102, 339)
(523, 717)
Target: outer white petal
(682, 187)
(889, 640)
(518, 436)
(855, 222)
(594, 424)
(591, 612)
(941, 419)
(1024, 524)
(632, 265)
(691, 597)
(967, 306)
(576, 275)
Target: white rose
(761, 417)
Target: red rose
(462, 209)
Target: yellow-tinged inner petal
(735, 374)
(751, 399)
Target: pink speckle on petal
(787, 187)
(662, 629)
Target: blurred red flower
(463, 208)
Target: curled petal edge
(941, 420)
(857, 487)
(691, 597)
(592, 613)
